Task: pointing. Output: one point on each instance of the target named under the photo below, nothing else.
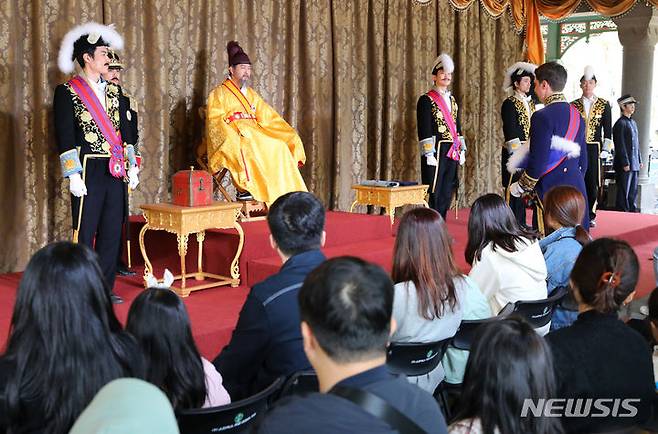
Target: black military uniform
(436, 141)
(85, 149)
(598, 135)
(515, 112)
(133, 137)
(627, 154)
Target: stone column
(638, 34)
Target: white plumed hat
(85, 36)
(443, 62)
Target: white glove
(462, 157)
(515, 190)
(604, 155)
(462, 142)
(133, 180)
(77, 185)
(431, 160)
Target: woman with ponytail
(564, 209)
(600, 363)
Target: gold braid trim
(90, 129)
(522, 115)
(594, 119)
(527, 183)
(441, 126)
(556, 97)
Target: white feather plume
(444, 62)
(589, 72)
(526, 66)
(167, 280)
(65, 57)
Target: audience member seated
(564, 209)
(508, 265)
(65, 343)
(346, 307)
(267, 342)
(648, 327)
(173, 362)
(598, 356)
(127, 406)
(431, 294)
(508, 364)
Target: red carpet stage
(214, 311)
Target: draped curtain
(345, 73)
(525, 14)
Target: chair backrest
(539, 312)
(466, 332)
(236, 417)
(300, 383)
(415, 358)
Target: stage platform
(214, 311)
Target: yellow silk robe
(248, 137)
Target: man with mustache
(94, 142)
(442, 147)
(249, 138)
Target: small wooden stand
(390, 198)
(182, 221)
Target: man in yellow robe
(249, 138)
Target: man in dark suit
(267, 342)
(91, 128)
(628, 160)
(557, 154)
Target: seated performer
(442, 146)
(598, 136)
(556, 153)
(249, 138)
(516, 111)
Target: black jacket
(267, 341)
(600, 357)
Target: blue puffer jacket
(560, 251)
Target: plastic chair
(300, 383)
(415, 358)
(236, 417)
(538, 312)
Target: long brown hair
(565, 205)
(423, 256)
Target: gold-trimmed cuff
(527, 183)
(428, 146)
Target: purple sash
(116, 164)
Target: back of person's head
(296, 221)
(605, 274)
(65, 342)
(347, 303)
(554, 74)
(491, 220)
(423, 255)
(159, 321)
(508, 363)
(565, 206)
(127, 406)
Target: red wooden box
(191, 188)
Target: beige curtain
(347, 74)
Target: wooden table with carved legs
(183, 221)
(390, 198)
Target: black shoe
(243, 195)
(116, 299)
(122, 270)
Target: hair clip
(610, 278)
